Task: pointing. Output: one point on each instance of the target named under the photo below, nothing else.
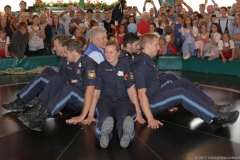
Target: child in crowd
(202, 38)
(36, 45)
(171, 48)
(121, 33)
(93, 23)
(236, 36)
(195, 24)
(84, 43)
(4, 43)
(162, 46)
(211, 49)
(19, 41)
(177, 35)
(152, 29)
(188, 34)
(226, 47)
(77, 33)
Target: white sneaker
(187, 56)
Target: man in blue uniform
(131, 46)
(77, 94)
(98, 39)
(154, 100)
(44, 82)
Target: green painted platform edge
(170, 63)
(199, 65)
(29, 62)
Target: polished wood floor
(183, 136)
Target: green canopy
(82, 4)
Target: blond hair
(146, 38)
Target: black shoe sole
(227, 124)
(106, 129)
(31, 127)
(15, 110)
(128, 128)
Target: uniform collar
(147, 58)
(126, 53)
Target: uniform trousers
(119, 109)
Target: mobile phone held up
(74, 8)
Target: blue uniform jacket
(84, 73)
(113, 81)
(146, 74)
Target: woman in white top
(188, 34)
(162, 21)
(211, 48)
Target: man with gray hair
(98, 39)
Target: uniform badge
(91, 74)
(67, 63)
(120, 73)
(80, 64)
(78, 71)
(74, 81)
(126, 76)
(69, 68)
(131, 76)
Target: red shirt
(120, 38)
(143, 27)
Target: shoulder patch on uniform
(91, 74)
(131, 76)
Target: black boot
(225, 119)
(223, 107)
(32, 102)
(31, 114)
(38, 121)
(15, 106)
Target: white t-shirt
(36, 39)
(217, 37)
(226, 44)
(7, 40)
(194, 31)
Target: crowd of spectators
(212, 32)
